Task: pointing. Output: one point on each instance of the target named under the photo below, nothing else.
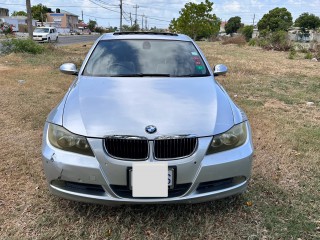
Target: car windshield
(41, 30)
(138, 58)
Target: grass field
(282, 201)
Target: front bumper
(93, 179)
(40, 39)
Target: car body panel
(176, 106)
(104, 170)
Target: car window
(41, 30)
(145, 57)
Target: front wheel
(49, 40)
(57, 39)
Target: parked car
(45, 34)
(145, 121)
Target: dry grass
(238, 39)
(283, 198)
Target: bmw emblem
(151, 129)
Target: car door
(55, 33)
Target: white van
(45, 34)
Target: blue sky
(160, 12)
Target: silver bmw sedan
(145, 121)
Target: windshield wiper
(141, 75)
(191, 75)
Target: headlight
(65, 140)
(233, 138)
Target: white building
(16, 21)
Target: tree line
(198, 21)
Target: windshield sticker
(146, 45)
(197, 60)
(194, 53)
(199, 67)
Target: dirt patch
(4, 68)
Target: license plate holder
(171, 177)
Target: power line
(136, 7)
(103, 6)
(98, 17)
(104, 3)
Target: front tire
(49, 40)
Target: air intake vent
(130, 148)
(174, 148)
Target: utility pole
(29, 17)
(146, 23)
(142, 21)
(130, 19)
(120, 15)
(136, 7)
(41, 12)
(254, 17)
(82, 15)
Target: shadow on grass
(183, 221)
(156, 211)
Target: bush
(292, 53)
(252, 42)
(247, 31)
(316, 48)
(22, 45)
(278, 41)
(239, 40)
(308, 55)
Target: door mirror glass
(220, 69)
(69, 68)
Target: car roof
(145, 35)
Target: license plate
(170, 178)
(37, 38)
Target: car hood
(99, 107)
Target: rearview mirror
(220, 69)
(69, 68)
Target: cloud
(233, 6)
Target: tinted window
(41, 30)
(145, 57)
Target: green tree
(247, 31)
(92, 25)
(277, 19)
(100, 30)
(155, 29)
(133, 28)
(19, 13)
(39, 12)
(233, 25)
(196, 20)
(307, 21)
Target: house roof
(68, 13)
(63, 12)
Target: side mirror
(69, 68)
(220, 69)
